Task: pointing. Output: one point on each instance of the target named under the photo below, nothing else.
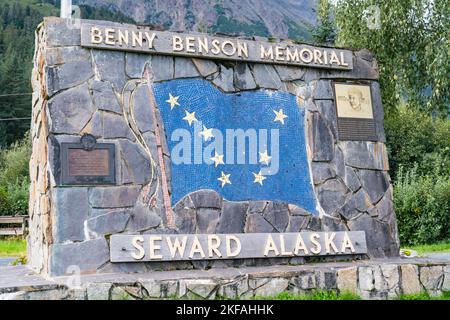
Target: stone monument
(157, 150)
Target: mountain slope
(279, 18)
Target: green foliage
(415, 137)
(325, 31)
(425, 296)
(422, 205)
(313, 295)
(14, 178)
(411, 47)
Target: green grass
(436, 247)
(425, 296)
(330, 295)
(314, 295)
(13, 247)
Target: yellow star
(207, 133)
(218, 159)
(264, 157)
(173, 101)
(259, 178)
(280, 116)
(225, 178)
(190, 117)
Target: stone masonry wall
(106, 94)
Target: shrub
(415, 137)
(14, 179)
(422, 205)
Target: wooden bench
(14, 225)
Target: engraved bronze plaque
(354, 112)
(92, 164)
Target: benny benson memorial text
(206, 46)
(177, 247)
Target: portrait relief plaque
(88, 162)
(354, 112)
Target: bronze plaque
(88, 163)
(354, 112)
(93, 165)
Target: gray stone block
(104, 97)
(277, 214)
(114, 127)
(332, 195)
(205, 67)
(266, 77)
(142, 109)
(333, 224)
(351, 179)
(185, 216)
(109, 223)
(314, 224)
(357, 204)
(385, 207)
(225, 79)
(323, 142)
(243, 78)
(60, 33)
(297, 211)
(323, 90)
(207, 220)
(143, 218)
(206, 199)
(321, 172)
(135, 64)
(297, 223)
(71, 110)
(377, 233)
(137, 161)
(113, 197)
(185, 68)
(162, 68)
(88, 256)
(328, 113)
(67, 75)
(375, 183)
(232, 218)
(365, 155)
(378, 111)
(257, 224)
(290, 73)
(72, 210)
(111, 67)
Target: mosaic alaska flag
(245, 146)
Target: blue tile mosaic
(250, 116)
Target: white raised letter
(177, 246)
(230, 238)
(154, 247)
(314, 237)
(96, 35)
(329, 242)
(177, 43)
(196, 248)
(270, 246)
(139, 247)
(346, 243)
(214, 247)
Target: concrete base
(374, 279)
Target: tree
(325, 31)
(410, 39)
